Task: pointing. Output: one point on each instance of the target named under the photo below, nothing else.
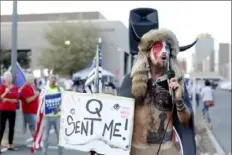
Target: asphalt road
(220, 114)
(221, 118)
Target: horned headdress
(147, 27)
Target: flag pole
(96, 82)
(14, 40)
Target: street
(221, 118)
(220, 114)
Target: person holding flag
(8, 100)
(47, 117)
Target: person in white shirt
(207, 98)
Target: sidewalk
(203, 140)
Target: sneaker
(13, 149)
(3, 150)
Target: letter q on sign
(94, 106)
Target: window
(126, 61)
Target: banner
(97, 122)
(52, 102)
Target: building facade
(203, 58)
(115, 41)
(224, 60)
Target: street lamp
(14, 40)
(67, 42)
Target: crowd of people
(27, 97)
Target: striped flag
(38, 135)
(94, 79)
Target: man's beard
(159, 66)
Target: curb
(217, 146)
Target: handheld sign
(52, 102)
(97, 122)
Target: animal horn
(184, 48)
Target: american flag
(38, 135)
(93, 83)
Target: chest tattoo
(161, 100)
(155, 137)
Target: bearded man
(156, 111)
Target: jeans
(29, 119)
(198, 99)
(205, 111)
(48, 123)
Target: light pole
(14, 40)
(67, 42)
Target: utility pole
(14, 40)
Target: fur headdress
(140, 69)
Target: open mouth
(164, 58)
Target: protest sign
(98, 122)
(52, 102)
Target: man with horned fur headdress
(156, 112)
(153, 102)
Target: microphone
(171, 74)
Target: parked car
(225, 85)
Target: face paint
(160, 49)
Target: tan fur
(140, 69)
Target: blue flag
(20, 77)
(1, 81)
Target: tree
(66, 59)
(23, 58)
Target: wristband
(180, 107)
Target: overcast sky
(186, 19)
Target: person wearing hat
(156, 84)
(161, 101)
(157, 111)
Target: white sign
(98, 122)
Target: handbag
(209, 103)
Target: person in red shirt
(30, 102)
(8, 102)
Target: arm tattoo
(180, 107)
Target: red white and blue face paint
(160, 52)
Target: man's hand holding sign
(98, 122)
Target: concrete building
(115, 40)
(208, 64)
(212, 61)
(204, 54)
(224, 60)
